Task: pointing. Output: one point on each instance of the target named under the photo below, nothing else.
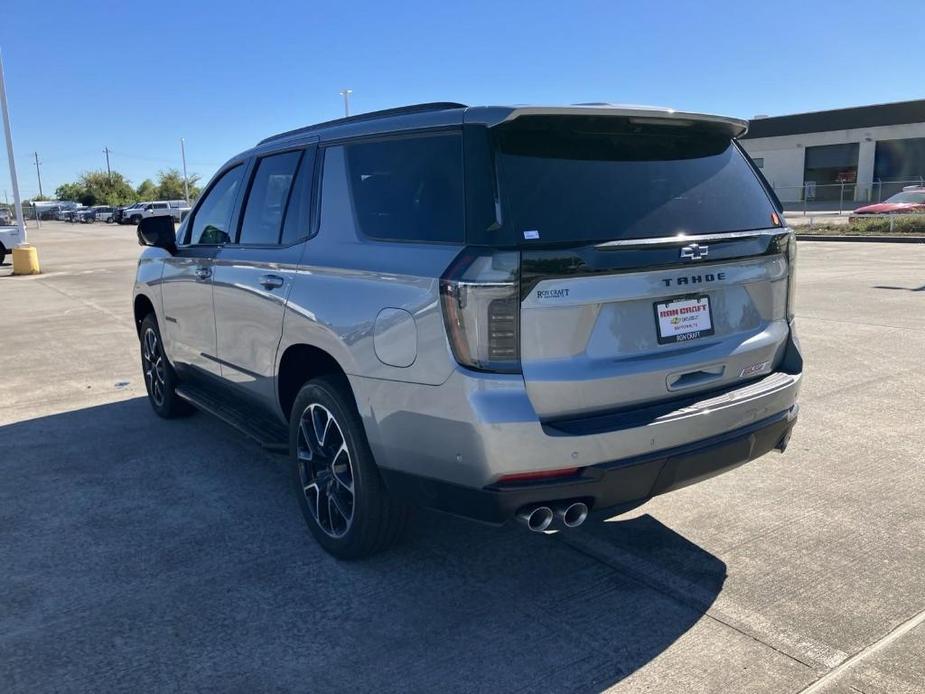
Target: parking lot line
(865, 653)
(799, 647)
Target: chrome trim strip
(684, 238)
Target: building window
(830, 171)
(897, 163)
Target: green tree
(170, 185)
(69, 191)
(147, 190)
(106, 189)
(98, 188)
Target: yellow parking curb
(25, 260)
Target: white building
(865, 153)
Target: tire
(331, 459)
(2, 254)
(160, 378)
(136, 219)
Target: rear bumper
(475, 429)
(617, 483)
(448, 446)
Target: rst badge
(755, 369)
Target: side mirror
(158, 232)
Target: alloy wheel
(154, 367)
(325, 470)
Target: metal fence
(839, 198)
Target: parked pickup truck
(177, 209)
(122, 215)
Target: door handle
(203, 273)
(272, 281)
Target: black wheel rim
(153, 366)
(325, 470)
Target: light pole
(185, 178)
(9, 154)
(38, 173)
(106, 151)
(25, 257)
(346, 94)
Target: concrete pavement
(170, 555)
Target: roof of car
(446, 113)
(450, 113)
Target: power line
(164, 160)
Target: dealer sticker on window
(683, 319)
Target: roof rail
(372, 115)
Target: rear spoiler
(492, 116)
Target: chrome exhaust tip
(537, 518)
(573, 515)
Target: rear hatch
(653, 262)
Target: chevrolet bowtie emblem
(695, 252)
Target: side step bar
(271, 434)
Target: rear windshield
(591, 179)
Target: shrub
(913, 224)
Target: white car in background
(9, 239)
(159, 208)
(103, 213)
(123, 215)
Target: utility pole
(38, 173)
(108, 170)
(346, 94)
(185, 178)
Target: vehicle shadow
(142, 553)
(905, 289)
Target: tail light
(480, 295)
(792, 274)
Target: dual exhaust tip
(539, 518)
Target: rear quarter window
(401, 189)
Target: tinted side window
(266, 202)
(213, 217)
(409, 188)
(298, 213)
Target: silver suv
(499, 312)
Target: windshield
(910, 196)
(592, 179)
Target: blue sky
(81, 76)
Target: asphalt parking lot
(153, 555)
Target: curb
(860, 238)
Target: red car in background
(906, 202)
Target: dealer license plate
(683, 319)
